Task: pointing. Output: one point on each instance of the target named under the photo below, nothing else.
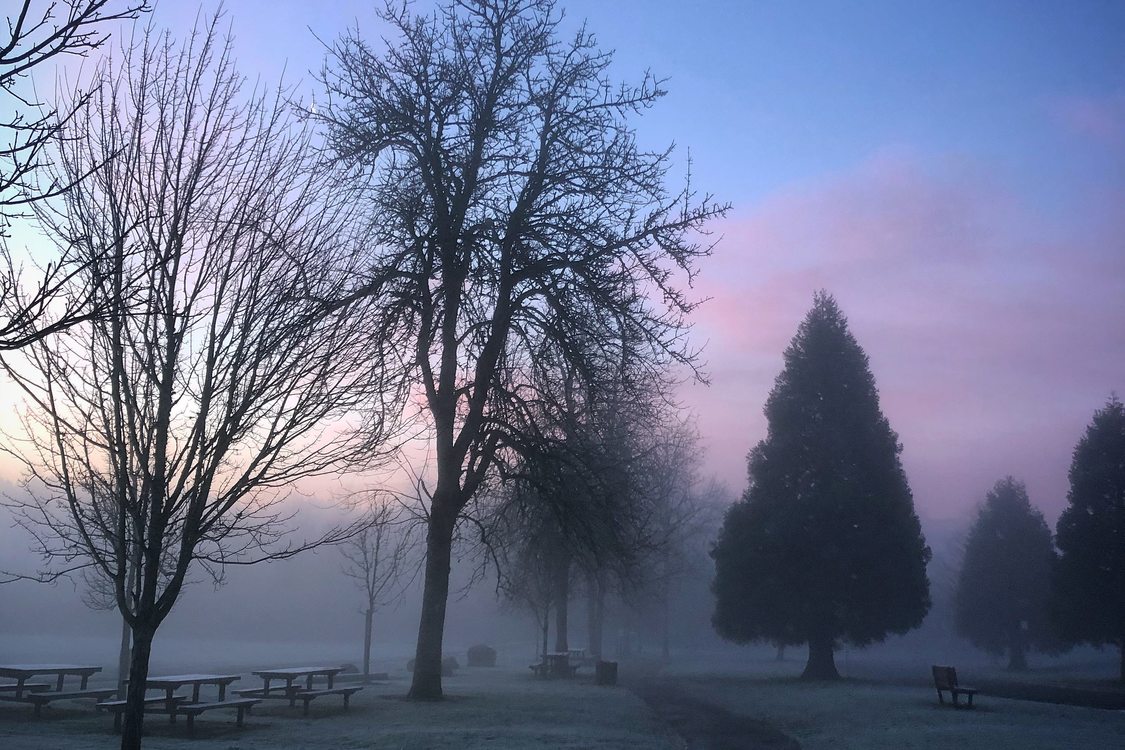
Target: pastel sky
(954, 172)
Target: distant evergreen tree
(1089, 585)
(1004, 585)
(824, 545)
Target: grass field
(507, 708)
(488, 708)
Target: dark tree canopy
(824, 545)
(1004, 584)
(1089, 585)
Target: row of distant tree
(1020, 589)
(462, 244)
(825, 545)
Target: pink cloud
(992, 346)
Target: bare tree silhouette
(175, 421)
(38, 32)
(513, 219)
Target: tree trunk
(562, 597)
(595, 616)
(367, 617)
(132, 723)
(123, 659)
(822, 661)
(426, 684)
(546, 628)
(665, 624)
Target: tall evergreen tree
(1089, 585)
(824, 545)
(1004, 584)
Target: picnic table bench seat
(118, 706)
(42, 698)
(191, 710)
(28, 686)
(309, 695)
(945, 680)
(294, 693)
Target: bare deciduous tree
(38, 32)
(375, 560)
(174, 423)
(513, 217)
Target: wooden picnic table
(173, 705)
(171, 683)
(21, 673)
(292, 692)
(40, 694)
(290, 674)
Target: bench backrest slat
(945, 678)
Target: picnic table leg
(19, 686)
(290, 693)
(241, 709)
(222, 692)
(85, 679)
(117, 722)
(171, 705)
(330, 676)
(191, 725)
(59, 685)
(307, 702)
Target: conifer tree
(1089, 585)
(1004, 584)
(824, 545)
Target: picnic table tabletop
(286, 672)
(170, 683)
(189, 679)
(291, 674)
(21, 673)
(30, 670)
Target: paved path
(702, 725)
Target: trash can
(605, 673)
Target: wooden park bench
(555, 665)
(945, 679)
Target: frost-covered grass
(874, 716)
(507, 708)
(487, 708)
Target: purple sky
(953, 173)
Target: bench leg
(346, 696)
(940, 698)
(191, 725)
(241, 711)
(307, 702)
